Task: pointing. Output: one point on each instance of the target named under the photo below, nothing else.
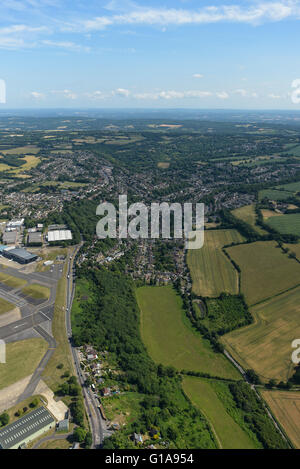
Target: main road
(97, 424)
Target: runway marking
(20, 325)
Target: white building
(59, 235)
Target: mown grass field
(286, 408)
(36, 291)
(248, 215)
(11, 281)
(265, 270)
(286, 224)
(292, 186)
(22, 358)
(31, 162)
(294, 248)
(169, 338)
(273, 194)
(295, 151)
(265, 345)
(21, 150)
(228, 433)
(212, 273)
(5, 306)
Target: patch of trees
(111, 322)
(163, 259)
(4, 419)
(13, 160)
(230, 221)
(226, 313)
(255, 416)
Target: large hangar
(19, 255)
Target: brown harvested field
(163, 165)
(211, 271)
(266, 213)
(248, 215)
(285, 406)
(21, 150)
(265, 345)
(294, 248)
(265, 270)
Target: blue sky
(179, 53)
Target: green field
(22, 358)
(265, 345)
(248, 215)
(286, 224)
(265, 270)
(211, 271)
(11, 281)
(169, 338)
(123, 409)
(273, 194)
(83, 298)
(228, 433)
(294, 151)
(5, 306)
(36, 291)
(291, 187)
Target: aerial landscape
(113, 337)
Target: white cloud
(246, 94)
(197, 75)
(19, 36)
(37, 95)
(241, 92)
(96, 95)
(146, 96)
(68, 94)
(173, 94)
(257, 13)
(222, 95)
(121, 92)
(21, 28)
(66, 45)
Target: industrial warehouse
(19, 255)
(59, 235)
(18, 434)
